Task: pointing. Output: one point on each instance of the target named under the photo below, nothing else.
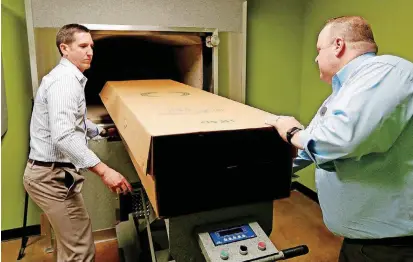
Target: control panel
(233, 234)
(245, 242)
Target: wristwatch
(291, 133)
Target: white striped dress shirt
(59, 129)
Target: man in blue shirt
(361, 141)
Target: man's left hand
(109, 132)
(283, 124)
(113, 132)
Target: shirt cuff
(305, 139)
(99, 129)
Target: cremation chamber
(186, 55)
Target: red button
(262, 246)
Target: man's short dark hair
(66, 34)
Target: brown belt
(49, 164)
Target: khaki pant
(57, 191)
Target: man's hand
(112, 179)
(113, 132)
(116, 182)
(283, 124)
(109, 132)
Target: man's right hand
(112, 179)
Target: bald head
(354, 30)
(341, 40)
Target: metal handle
(294, 251)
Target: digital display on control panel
(230, 231)
(231, 234)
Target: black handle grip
(295, 251)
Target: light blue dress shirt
(363, 149)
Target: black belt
(392, 241)
(49, 164)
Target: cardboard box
(196, 151)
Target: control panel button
(262, 246)
(224, 255)
(243, 250)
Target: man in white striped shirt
(58, 148)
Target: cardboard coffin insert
(195, 151)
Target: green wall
(274, 46)
(391, 22)
(15, 143)
(273, 67)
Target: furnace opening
(180, 57)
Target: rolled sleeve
(92, 130)
(305, 139)
(328, 142)
(302, 160)
(367, 117)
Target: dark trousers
(357, 251)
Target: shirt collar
(79, 75)
(344, 73)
